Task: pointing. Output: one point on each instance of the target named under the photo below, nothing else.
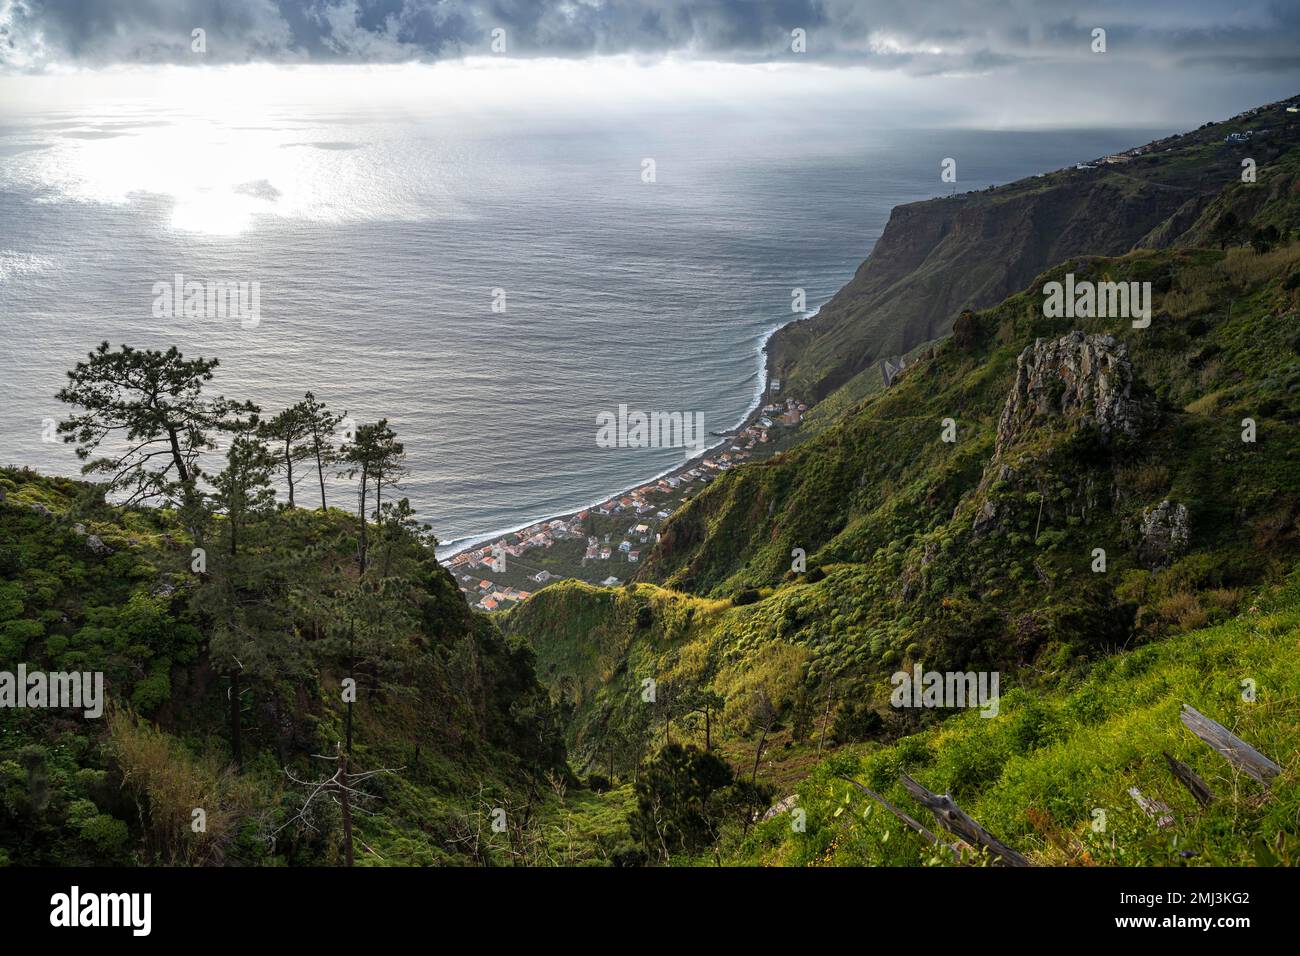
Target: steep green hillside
(938, 257)
(1272, 202)
(1071, 436)
(1221, 347)
(447, 705)
(1051, 776)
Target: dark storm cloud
(921, 37)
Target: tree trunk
(288, 466)
(753, 777)
(361, 556)
(347, 761)
(320, 472)
(352, 667)
(825, 717)
(236, 726)
(348, 722)
(758, 754)
(708, 740)
(347, 809)
(182, 472)
(281, 744)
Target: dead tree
(1189, 778)
(1232, 748)
(918, 827)
(1156, 809)
(955, 820)
(341, 787)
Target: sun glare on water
(221, 162)
(336, 144)
(218, 177)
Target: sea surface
(378, 238)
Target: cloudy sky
(1166, 61)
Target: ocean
(380, 241)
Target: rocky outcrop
(1076, 381)
(1164, 530)
(1086, 379)
(986, 518)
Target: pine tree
(374, 457)
(242, 593)
(146, 410)
(371, 620)
(242, 490)
(289, 430)
(321, 424)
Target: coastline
(445, 552)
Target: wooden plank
(1191, 780)
(918, 827)
(1233, 749)
(1164, 817)
(955, 820)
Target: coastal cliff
(1079, 505)
(971, 250)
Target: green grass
(1067, 757)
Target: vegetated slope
(1071, 436)
(884, 472)
(971, 250)
(1050, 776)
(456, 712)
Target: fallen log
(955, 820)
(1164, 817)
(1233, 749)
(1191, 780)
(918, 827)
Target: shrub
(155, 689)
(1223, 598)
(15, 635)
(684, 797)
(106, 834)
(965, 331)
(855, 721)
(628, 855)
(168, 784)
(1182, 609)
(11, 599)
